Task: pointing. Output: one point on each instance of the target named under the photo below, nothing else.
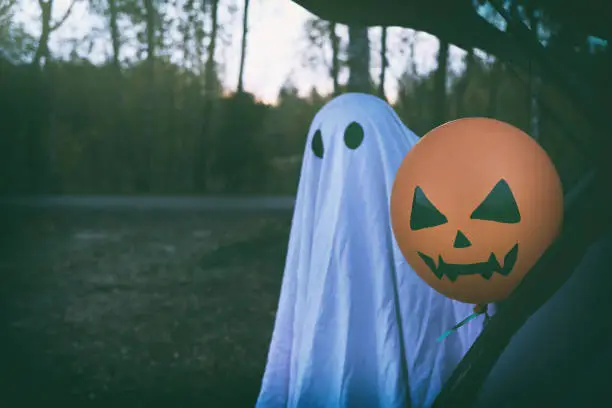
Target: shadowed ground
(129, 309)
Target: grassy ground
(129, 310)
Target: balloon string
(478, 310)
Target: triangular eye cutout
(424, 213)
(498, 206)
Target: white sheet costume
(355, 326)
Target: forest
(155, 125)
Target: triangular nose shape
(461, 240)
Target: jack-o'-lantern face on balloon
(475, 203)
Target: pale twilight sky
(276, 44)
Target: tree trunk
(150, 34)
(41, 152)
(464, 83)
(145, 178)
(46, 11)
(494, 88)
(440, 84)
(383, 63)
(335, 65)
(184, 29)
(42, 50)
(418, 108)
(359, 60)
(114, 32)
(534, 107)
(535, 83)
(120, 140)
(245, 21)
(203, 152)
(38, 153)
(412, 53)
(209, 68)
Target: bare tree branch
(64, 17)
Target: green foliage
(93, 134)
(564, 133)
(241, 159)
(104, 134)
(16, 45)
(155, 127)
(6, 13)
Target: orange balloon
(475, 203)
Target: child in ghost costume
(355, 326)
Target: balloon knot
(481, 308)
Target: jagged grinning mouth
(485, 269)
